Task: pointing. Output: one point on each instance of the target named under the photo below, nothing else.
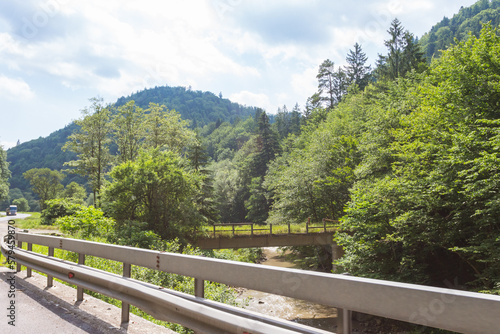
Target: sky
(57, 54)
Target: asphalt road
(27, 306)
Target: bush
(86, 222)
(57, 208)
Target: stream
(303, 312)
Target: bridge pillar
(337, 253)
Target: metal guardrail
(454, 310)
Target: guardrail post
(288, 227)
(28, 270)
(233, 230)
(79, 290)
(125, 306)
(50, 279)
(251, 229)
(199, 287)
(18, 265)
(271, 229)
(344, 321)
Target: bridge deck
(266, 240)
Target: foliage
(155, 189)
(357, 71)
(431, 215)
(403, 54)
(467, 20)
(165, 129)
(45, 183)
(59, 207)
(91, 143)
(4, 174)
(22, 204)
(40, 153)
(201, 107)
(127, 130)
(86, 222)
(75, 193)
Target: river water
(319, 316)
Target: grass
(32, 222)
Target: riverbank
(318, 316)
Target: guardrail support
(18, 265)
(344, 321)
(28, 270)
(127, 268)
(79, 290)
(199, 287)
(50, 279)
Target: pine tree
(357, 71)
(326, 83)
(404, 54)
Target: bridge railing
(253, 228)
(448, 309)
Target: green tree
(165, 129)
(357, 71)
(91, 144)
(257, 204)
(326, 83)
(403, 53)
(75, 192)
(431, 216)
(155, 189)
(198, 159)
(4, 174)
(45, 183)
(22, 204)
(128, 131)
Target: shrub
(86, 222)
(57, 208)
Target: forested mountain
(38, 153)
(199, 107)
(468, 19)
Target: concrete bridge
(249, 235)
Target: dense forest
(468, 19)
(199, 107)
(405, 155)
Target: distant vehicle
(11, 210)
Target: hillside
(468, 19)
(199, 107)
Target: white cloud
(305, 84)
(7, 144)
(253, 99)
(15, 88)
